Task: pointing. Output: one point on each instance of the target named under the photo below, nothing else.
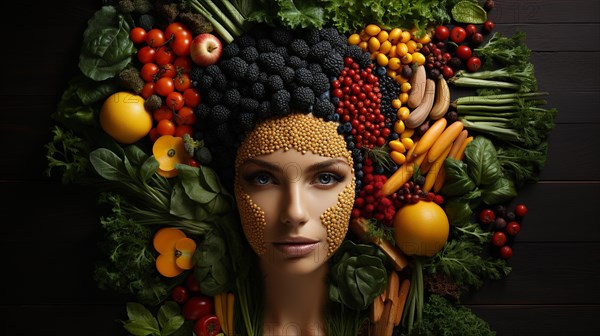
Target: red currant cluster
(195, 306)
(370, 203)
(505, 225)
(164, 66)
(359, 105)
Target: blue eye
(328, 178)
(262, 179)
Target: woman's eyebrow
(264, 164)
(327, 164)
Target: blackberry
(318, 51)
(311, 36)
(202, 111)
(231, 98)
(252, 74)
(302, 98)
(300, 48)
(265, 45)
(245, 41)
(332, 64)
(230, 51)
(247, 121)
(196, 73)
(235, 67)
(213, 97)
(287, 74)
(303, 77)
(320, 83)
(220, 114)
(248, 104)
(323, 109)
(271, 62)
(296, 62)
(258, 91)
(280, 102)
(274, 83)
(282, 37)
(264, 110)
(205, 83)
(212, 70)
(249, 54)
(220, 82)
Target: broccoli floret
(146, 21)
(205, 83)
(280, 102)
(287, 74)
(282, 37)
(235, 67)
(230, 50)
(271, 62)
(300, 48)
(196, 73)
(248, 104)
(213, 97)
(303, 76)
(258, 91)
(252, 74)
(311, 36)
(190, 144)
(124, 6)
(142, 6)
(196, 23)
(265, 45)
(232, 97)
(319, 50)
(202, 111)
(296, 62)
(220, 114)
(274, 83)
(320, 83)
(130, 78)
(247, 120)
(153, 103)
(323, 108)
(249, 54)
(302, 98)
(333, 64)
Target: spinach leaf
(71, 110)
(458, 211)
(193, 186)
(482, 161)
(457, 181)
(469, 11)
(499, 192)
(108, 165)
(107, 48)
(90, 91)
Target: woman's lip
(295, 240)
(296, 249)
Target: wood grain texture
(49, 231)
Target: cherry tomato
(146, 54)
(181, 43)
(499, 238)
(192, 284)
(148, 71)
(147, 90)
(488, 26)
(207, 325)
(180, 294)
(174, 27)
(183, 64)
(194, 163)
(473, 64)
(520, 210)
(164, 86)
(513, 228)
(165, 127)
(487, 216)
(162, 113)
(191, 97)
(471, 29)
(197, 307)
(442, 33)
(458, 34)
(153, 134)
(164, 55)
(182, 82)
(174, 101)
(168, 70)
(463, 52)
(138, 35)
(505, 252)
(185, 116)
(447, 71)
(155, 37)
(477, 39)
(180, 130)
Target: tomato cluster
(196, 307)
(504, 224)
(165, 63)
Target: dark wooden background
(49, 232)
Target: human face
(296, 193)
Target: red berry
(488, 26)
(473, 64)
(442, 33)
(192, 284)
(499, 238)
(458, 34)
(438, 199)
(487, 216)
(513, 228)
(520, 210)
(505, 252)
(471, 29)
(179, 294)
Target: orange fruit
(421, 228)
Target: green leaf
(140, 328)
(135, 155)
(137, 312)
(210, 250)
(469, 12)
(181, 204)
(90, 91)
(167, 311)
(457, 181)
(172, 325)
(209, 179)
(500, 192)
(108, 165)
(482, 161)
(458, 211)
(71, 111)
(190, 179)
(148, 168)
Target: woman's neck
(294, 304)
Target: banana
(442, 100)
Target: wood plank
(545, 11)
(567, 71)
(554, 37)
(546, 273)
(547, 320)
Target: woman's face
(295, 206)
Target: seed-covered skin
(304, 133)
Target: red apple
(206, 49)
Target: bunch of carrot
(224, 307)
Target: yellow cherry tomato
(354, 39)
(397, 145)
(364, 36)
(403, 113)
(382, 36)
(382, 59)
(401, 49)
(412, 46)
(363, 45)
(397, 157)
(406, 59)
(407, 142)
(395, 35)
(374, 44)
(399, 127)
(385, 47)
(392, 52)
(372, 29)
(405, 87)
(418, 58)
(405, 36)
(396, 103)
(425, 39)
(403, 97)
(394, 63)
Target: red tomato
(192, 284)
(137, 35)
(165, 127)
(473, 64)
(153, 134)
(185, 116)
(207, 325)
(183, 64)
(174, 101)
(194, 163)
(168, 70)
(162, 113)
(513, 228)
(463, 52)
(164, 55)
(442, 33)
(477, 39)
(174, 27)
(458, 34)
(182, 82)
(164, 86)
(146, 54)
(499, 239)
(197, 307)
(147, 90)
(520, 210)
(155, 37)
(180, 130)
(487, 216)
(505, 252)
(180, 294)
(191, 97)
(470, 29)
(181, 43)
(149, 70)
(488, 26)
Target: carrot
(376, 309)
(425, 166)
(429, 137)
(360, 228)
(439, 181)
(445, 140)
(230, 306)
(458, 142)
(461, 151)
(392, 286)
(402, 296)
(220, 312)
(434, 171)
(398, 178)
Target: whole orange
(124, 117)
(421, 228)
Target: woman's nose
(293, 205)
